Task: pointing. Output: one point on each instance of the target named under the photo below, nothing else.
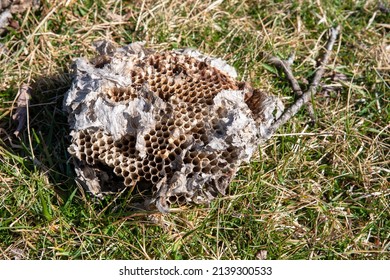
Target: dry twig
(306, 96)
(285, 65)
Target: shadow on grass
(41, 150)
(42, 144)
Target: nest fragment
(173, 125)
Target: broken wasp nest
(174, 125)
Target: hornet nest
(174, 126)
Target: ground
(311, 192)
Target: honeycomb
(174, 126)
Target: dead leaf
(21, 108)
(261, 255)
(14, 24)
(20, 6)
(5, 16)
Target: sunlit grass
(311, 192)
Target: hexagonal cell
(172, 199)
(155, 179)
(128, 182)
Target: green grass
(311, 192)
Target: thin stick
(285, 65)
(305, 98)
